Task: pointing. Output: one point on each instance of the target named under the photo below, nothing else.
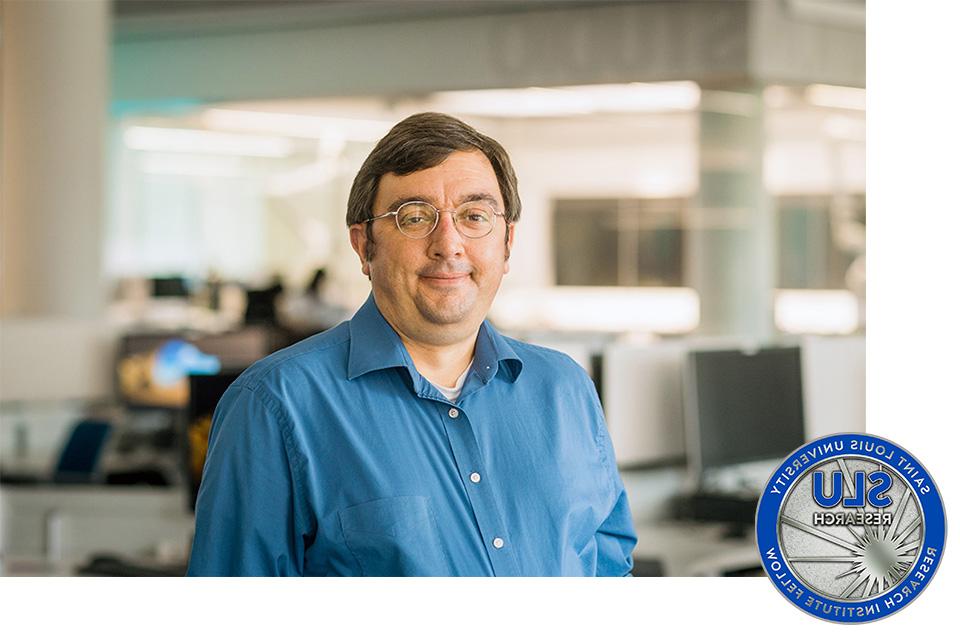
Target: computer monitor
(743, 406)
(205, 393)
(642, 392)
(152, 368)
(170, 287)
(834, 384)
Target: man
(415, 439)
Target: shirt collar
(492, 352)
(374, 345)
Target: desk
(48, 529)
(695, 548)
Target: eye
(475, 214)
(415, 215)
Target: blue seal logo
(851, 528)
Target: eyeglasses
(417, 220)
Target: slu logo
(880, 484)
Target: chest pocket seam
(390, 518)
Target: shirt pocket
(395, 536)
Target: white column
(54, 108)
(732, 255)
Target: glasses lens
(475, 219)
(416, 219)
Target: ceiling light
(205, 142)
(538, 102)
(833, 97)
(662, 310)
(296, 124)
(813, 311)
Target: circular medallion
(850, 528)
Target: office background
(692, 176)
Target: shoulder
(545, 362)
(318, 357)
(552, 378)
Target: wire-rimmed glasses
(417, 220)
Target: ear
(358, 240)
(511, 228)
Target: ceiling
(136, 19)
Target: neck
(442, 364)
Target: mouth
(445, 279)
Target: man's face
(438, 289)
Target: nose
(446, 241)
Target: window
(820, 237)
(619, 242)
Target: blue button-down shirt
(336, 457)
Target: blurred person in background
(415, 439)
(312, 310)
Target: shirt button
(498, 543)
(474, 477)
(453, 413)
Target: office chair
(78, 460)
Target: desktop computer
(744, 413)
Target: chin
(446, 311)
(441, 315)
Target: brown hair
(420, 142)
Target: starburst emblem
(851, 554)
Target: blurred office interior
(175, 177)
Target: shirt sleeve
(247, 514)
(616, 540)
(616, 537)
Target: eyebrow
(470, 197)
(473, 197)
